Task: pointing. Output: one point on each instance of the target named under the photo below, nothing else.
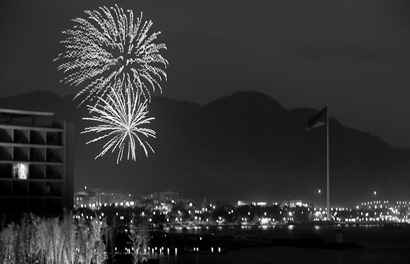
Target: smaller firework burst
(122, 117)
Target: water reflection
(379, 245)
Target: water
(377, 245)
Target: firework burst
(121, 117)
(111, 45)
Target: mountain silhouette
(245, 146)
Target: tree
(140, 238)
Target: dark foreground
(287, 244)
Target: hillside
(243, 146)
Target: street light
(375, 195)
(319, 194)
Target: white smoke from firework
(121, 117)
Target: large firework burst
(121, 117)
(108, 46)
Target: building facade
(36, 164)
(168, 197)
(94, 199)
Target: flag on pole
(318, 120)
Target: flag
(318, 120)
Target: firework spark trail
(108, 46)
(121, 117)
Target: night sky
(355, 54)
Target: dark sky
(355, 54)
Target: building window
(20, 171)
(48, 188)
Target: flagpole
(327, 162)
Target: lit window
(20, 171)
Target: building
(94, 199)
(168, 197)
(84, 197)
(36, 164)
(243, 203)
(295, 203)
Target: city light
(195, 216)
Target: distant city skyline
(123, 199)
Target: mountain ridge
(240, 147)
